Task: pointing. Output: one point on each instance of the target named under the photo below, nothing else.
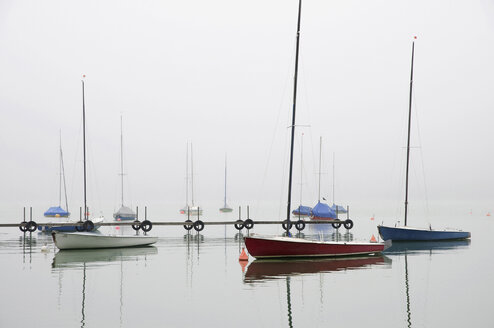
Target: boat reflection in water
(260, 270)
(427, 246)
(416, 248)
(75, 258)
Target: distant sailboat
(225, 208)
(58, 211)
(338, 209)
(407, 233)
(124, 212)
(190, 209)
(301, 211)
(321, 211)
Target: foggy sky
(219, 74)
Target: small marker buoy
(243, 256)
(44, 248)
(488, 214)
(372, 218)
(373, 239)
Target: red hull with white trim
(282, 247)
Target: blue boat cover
(341, 209)
(302, 210)
(323, 211)
(56, 211)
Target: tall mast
(293, 119)
(225, 182)
(409, 126)
(84, 144)
(333, 181)
(60, 172)
(191, 174)
(301, 165)
(320, 155)
(187, 177)
(121, 159)
(62, 178)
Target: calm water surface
(196, 280)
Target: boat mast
(121, 159)
(333, 183)
(293, 119)
(60, 172)
(301, 165)
(409, 126)
(84, 145)
(62, 176)
(191, 175)
(225, 182)
(187, 178)
(320, 155)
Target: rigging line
(275, 131)
(426, 196)
(75, 170)
(64, 183)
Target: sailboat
(338, 209)
(301, 210)
(288, 247)
(407, 233)
(225, 208)
(86, 240)
(57, 211)
(322, 211)
(124, 213)
(190, 209)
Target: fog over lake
(219, 74)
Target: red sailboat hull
(283, 247)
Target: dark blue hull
(410, 234)
(61, 228)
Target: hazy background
(219, 74)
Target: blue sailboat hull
(411, 234)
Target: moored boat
(418, 234)
(284, 247)
(88, 240)
(406, 233)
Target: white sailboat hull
(87, 240)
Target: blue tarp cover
(341, 209)
(323, 211)
(56, 211)
(302, 210)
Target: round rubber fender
(284, 225)
(336, 225)
(198, 225)
(249, 224)
(239, 224)
(23, 226)
(300, 225)
(32, 226)
(348, 224)
(146, 225)
(88, 225)
(188, 226)
(136, 225)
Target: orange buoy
(373, 239)
(243, 256)
(372, 218)
(488, 214)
